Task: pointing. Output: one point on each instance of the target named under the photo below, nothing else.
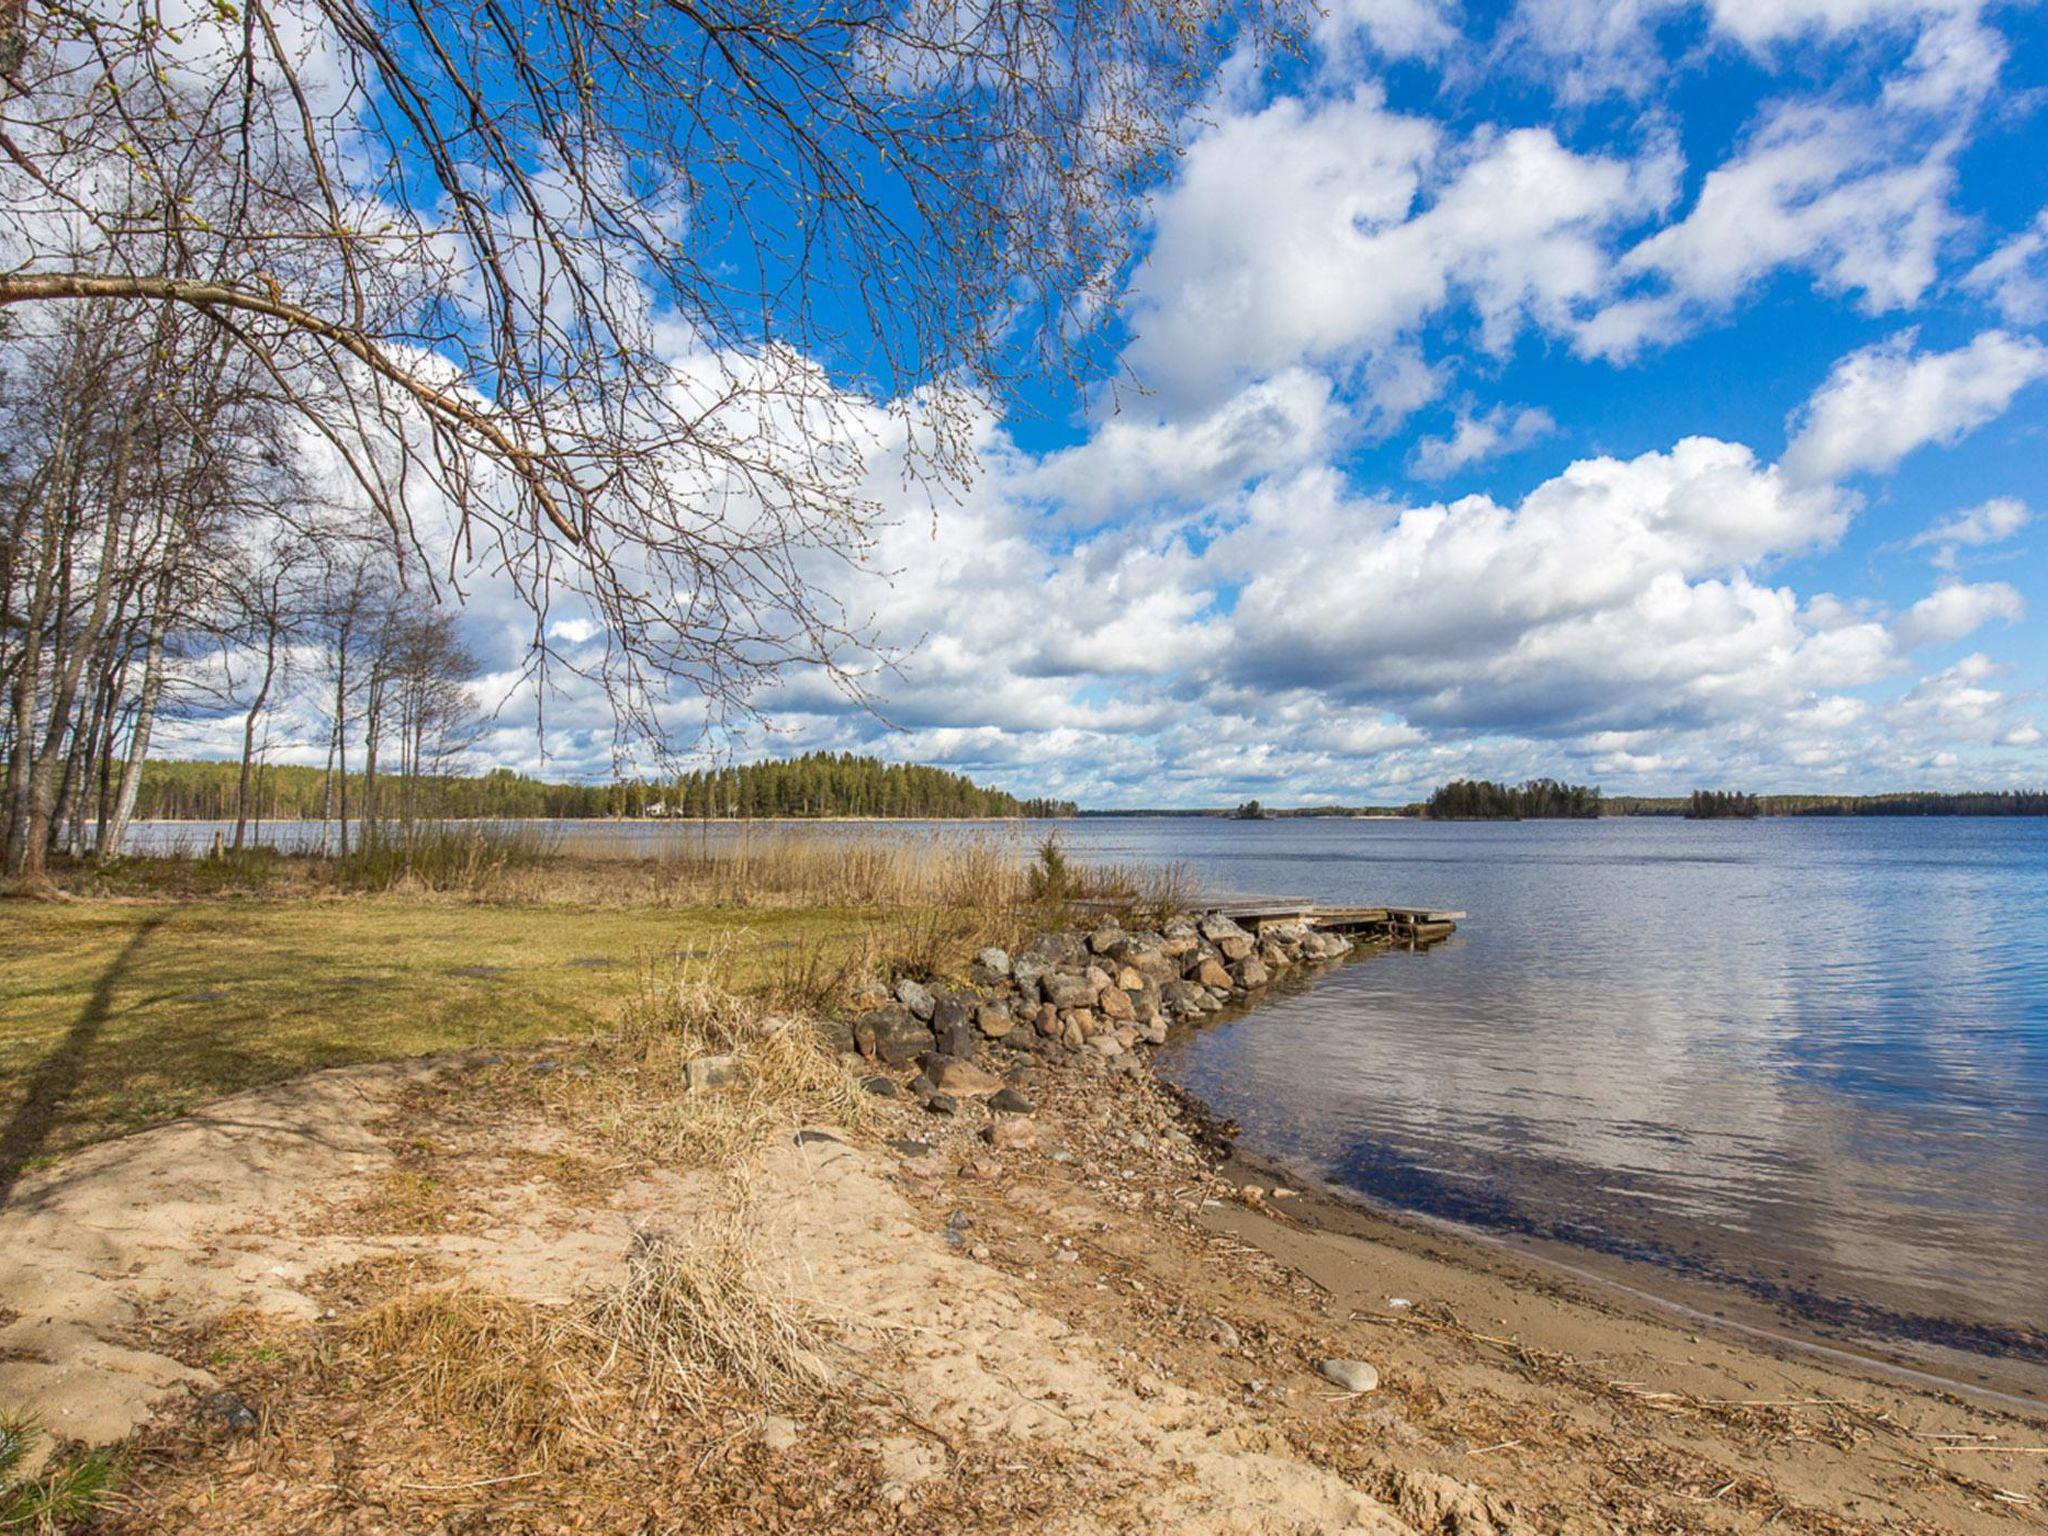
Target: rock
(1211, 974)
(1104, 939)
(949, 1012)
(1125, 1035)
(1223, 1333)
(1012, 1134)
(883, 1087)
(994, 1020)
(1048, 1021)
(1066, 989)
(892, 1034)
(942, 1104)
(1008, 1101)
(928, 1164)
(1099, 979)
(1106, 1045)
(921, 1088)
(1216, 928)
(958, 1040)
(1179, 928)
(916, 997)
(993, 962)
(1181, 997)
(838, 1035)
(710, 1072)
(231, 1411)
(1130, 979)
(951, 1075)
(1235, 946)
(1026, 974)
(778, 1434)
(1154, 1032)
(1252, 973)
(1116, 1004)
(1350, 1375)
(1059, 951)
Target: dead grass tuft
(695, 1313)
(501, 1376)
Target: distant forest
(1538, 799)
(816, 784)
(2003, 802)
(1721, 805)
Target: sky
(1634, 392)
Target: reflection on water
(1808, 1056)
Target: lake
(1806, 1059)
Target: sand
(1101, 1333)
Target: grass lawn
(119, 1014)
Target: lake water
(1805, 1058)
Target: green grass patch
(118, 1015)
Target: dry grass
(785, 1073)
(499, 1377)
(876, 868)
(692, 1314)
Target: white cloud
(1952, 611)
(1476, 436)
(1614, 594)
(1993, 522)
(1395, 29)
(2014, 277)
(1330, 232)
(1881, 403)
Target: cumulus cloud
(2014, 277)
(1617, 593)
(1882, 402)
(1481, 435)
(1328, 232)
(1957, 609)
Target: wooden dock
(1416, 926)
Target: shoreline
(1046, 1298)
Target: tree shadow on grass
(56, 1076)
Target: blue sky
(1640, 392)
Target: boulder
(1106, 1045)
(1130, 979)
(1012, 1134)
(917, 998)
(1057, 951)
(1181, 997)
(950, 1009)
(1210, 973)
(1104, 939)
(1068, 989)
(1025, 975)
(960, 1078)
(1235, 946)
(958, 1040)
(994, 963)
(1252, 973)
(892, 1034)
(995, 1020)
(1116, 1004)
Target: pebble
(1353, 1376)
